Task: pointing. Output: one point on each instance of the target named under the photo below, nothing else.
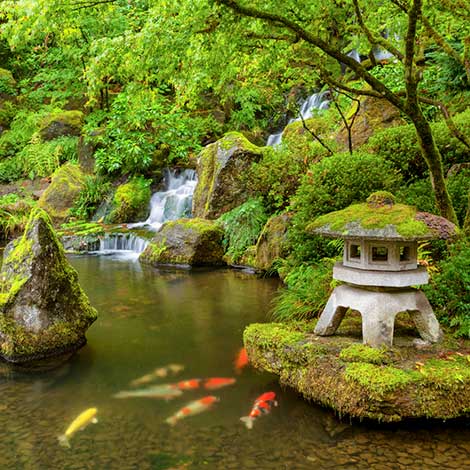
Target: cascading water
(316, 101)
(172, 203)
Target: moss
(81, 229)
(412, 384)
(131, 200)
(232, 139)
(399, 215)
(67, 182)
(362, 353)
(72, 118)
(38, 258)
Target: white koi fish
(159, 372)
(164, 391)
(79, 423)
(192, 408)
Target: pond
(150, 318)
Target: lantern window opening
(405, 253)
(379, 254)
(354, 252)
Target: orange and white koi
(218, 382)
(190, 384)
(241, 360)
(192, 408)
(262, 405)
(163, 391)
(160, 372)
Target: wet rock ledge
(341, 373)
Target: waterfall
(318, 100)
(127, 246)
(173, 202)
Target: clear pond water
(149, 318)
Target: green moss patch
(385, 385)
(401, 216)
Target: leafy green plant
(449, 289)
(14, 214)
(90, 198)
(307, 291)
(332, 184)
(399, 146)
(242, 227)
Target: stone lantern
(380, 267)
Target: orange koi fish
(218, 382)
(262, 405)
(241, 360)
(192, 408)
(190, 384)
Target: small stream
(149, 318)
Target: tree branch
(343, 117)
(80, 5)
(314, 40)
(375, 39)
(314, 135)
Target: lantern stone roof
(381, 218)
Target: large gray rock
(43, 311)
(194, 242)
(222, 168)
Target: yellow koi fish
(79, 423)
(193, 408)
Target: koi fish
(160, 372)
(262, 405)
(79, 423)
(241, 360)
(218, 382)
(164, 391)
(192, 408)
(190, 384)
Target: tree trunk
(466, 224)
(433, 160)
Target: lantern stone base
(378, 310)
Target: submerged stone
(222, 168)
(387, 384)
(44, 311)
(194, 242)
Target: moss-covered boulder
(62, 123)
(222, 168)
(373, 114)
(58, 198)
(271, 244)
(130, 201)
(43, 311)
(353, 379)
(194, 242)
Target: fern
(242, 227)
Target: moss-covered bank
(385, 385)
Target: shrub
(420, 194)
(14, 215)
(399, 146)
(242, 227)
(307, 291)
(332, 184)
(449, 290)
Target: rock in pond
(194, 242)
(387, 384)
(44, 313)
(222, 168)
